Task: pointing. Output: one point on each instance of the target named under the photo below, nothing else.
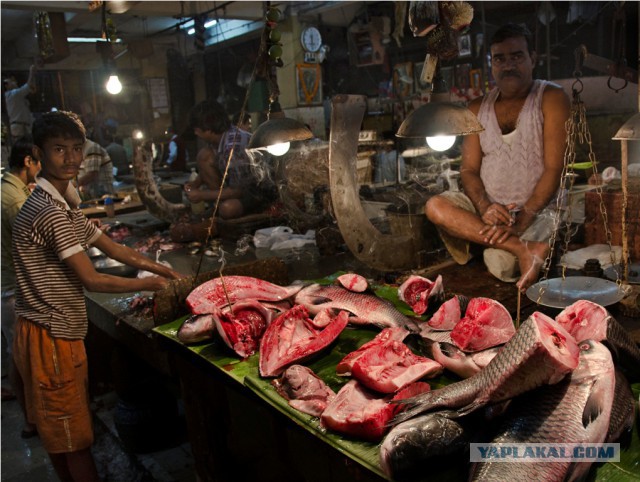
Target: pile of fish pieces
(543, 386)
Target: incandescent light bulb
(441, 143)
(113, 85)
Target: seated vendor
(95, 178)
(510, 171)
(225, 144)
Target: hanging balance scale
(565, 290)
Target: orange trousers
(55, 377)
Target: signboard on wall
(158, 93)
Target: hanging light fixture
(114, 86)
(276, 134)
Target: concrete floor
(26, 460)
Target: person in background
(225, 144)
(118, 155)
(50, 240)
(387, 161)
(242, 121)
(178, 155)
(23, 168)
(20, 117)
(510, 171)
(95, 177)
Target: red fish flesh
(366, 309)
(391, 366)
(242, 326)
(364, 414)
(219, 292)
(305, 391)
(486, 324)
(416, 291)
(541, 352)
(343, 368)
(353, 282)
(292, 337)
(587, 320)
(449, 313)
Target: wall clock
(311, 39)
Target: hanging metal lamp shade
(278, 130)
(440, 119)
(630, 130)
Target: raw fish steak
(587, 320)
(364, 414)
(449, 313)
(541, 352)
(486, 323)
(292, 337)
(365, 308)
(343, 368)
(242, 326)
(391, 366)
(416, 291)
(305, 391)
(353, 282)
(219, 292)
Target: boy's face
(60, 158)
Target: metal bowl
(113, 267)
(94, 252)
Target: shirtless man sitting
(511, 171)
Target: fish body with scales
(575, 411)
(365, 308)
(541, 352)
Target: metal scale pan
(560, 293)
(633, 273)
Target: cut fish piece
(391, 366)
(359, 412)
(242, 326)
(305, 391)
(417, 290)
(449, 313)
(292, 337)
(343, 368)
(219, 292)
(196, 328)
(486, 324)
(353, 282)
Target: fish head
(595, 360)
(196, 328)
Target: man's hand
(498, 214)
(497, 233)
(194, 195)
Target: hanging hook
(580, 53)
(618, 89)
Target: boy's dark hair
(209, 116)
(21, 148)
(512, 30)
(57, 124)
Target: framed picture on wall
(475, 78)
(462, 76)
(403, 79)
(447, 76)
(309, 84)
(464, 45)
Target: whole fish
(366, 309)
(587, 320)
(219, 292)
(576, 410)
(196, 328)
(429, 438)
(541, 352)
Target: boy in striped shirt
(50, 239)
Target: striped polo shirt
(49, 229)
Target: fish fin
(593, 407)
(412, 406)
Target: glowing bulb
(441, 143)
(137, 134)
(279, 149)
(113, 85)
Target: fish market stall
(234, 409)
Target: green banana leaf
(324, 364)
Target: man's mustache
(509, 73)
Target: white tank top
(512, 167)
